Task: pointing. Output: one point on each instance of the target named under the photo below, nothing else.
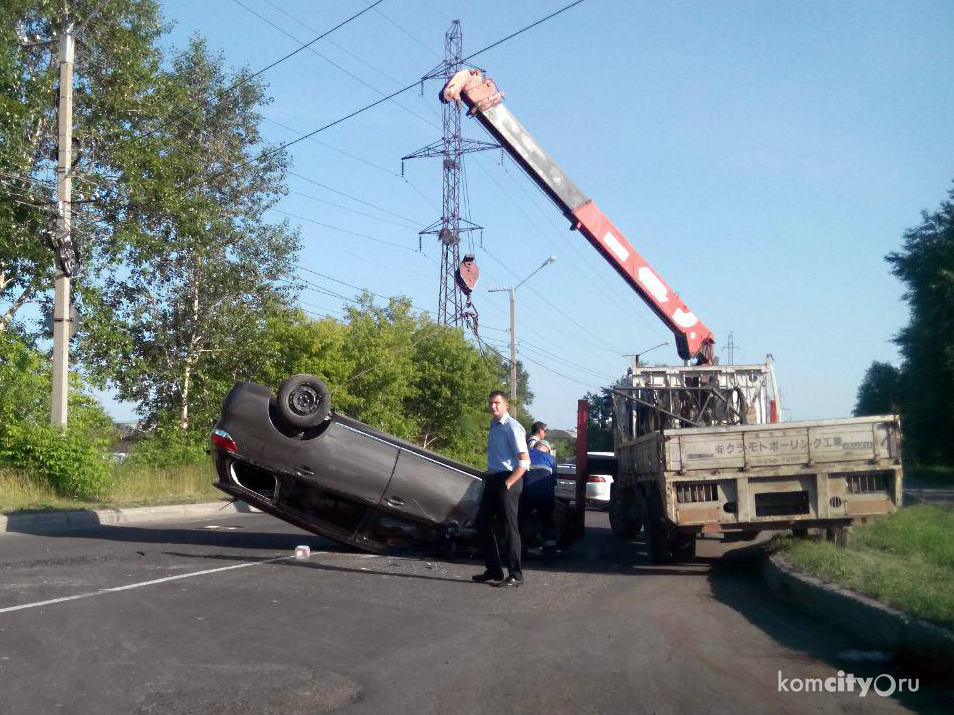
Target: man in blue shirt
(539, 484)
(507, 460)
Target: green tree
(880, 390)
(193, 274)
(116, 65)
(449, 393)
(925, 264)
(599, 426)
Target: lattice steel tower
(448, 228)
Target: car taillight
(222, 439)
(595, 478)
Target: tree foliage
(880, 390)
(72, 463)
(194, 270)
(393, 370)
(116, 64)
(925, 264)
(599, 425)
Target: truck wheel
(656, 533)
(684, 547)
(303, 401)
(622, 515)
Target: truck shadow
(736, 581)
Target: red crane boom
(694, 341)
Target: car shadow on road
(201, 535)
(305, 563)
(736, 581)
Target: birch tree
(194, 266)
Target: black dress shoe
(487, 577)
(510, 581)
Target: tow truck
(700, 447)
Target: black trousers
(497, 499)
(538, 497)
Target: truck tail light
(223, 440)
(595, 478)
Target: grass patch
(129, 486)
(905, 559)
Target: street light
(635, 356)
(513, 337)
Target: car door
(428, 490)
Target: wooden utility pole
(64, 192)
(513, 350)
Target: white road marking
(139, 585)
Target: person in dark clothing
(539, 484)
(507, 460)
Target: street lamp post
(513, 338)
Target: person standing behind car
(539, 484)
(507, 460)
(538, 433)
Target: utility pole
(64, 192)
(513, 332)
(513, 348)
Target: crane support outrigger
(694, 341)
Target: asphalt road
(217, 617)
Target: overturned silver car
(293, 457)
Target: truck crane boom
(693, 340)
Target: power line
(527, 345)
(248, 78)
(281, 147)
(344, 49)
(351, 210)
(343, 230)
(331, 62)
(598, 280)
(413, 37)
(353, 198)
(370, 163)
(559, 310)
(522, 30)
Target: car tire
(303, 401)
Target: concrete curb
(922, 644)
(47, 521)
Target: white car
(600, 468)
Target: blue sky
(764, 157)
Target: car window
(601, 465)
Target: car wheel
(304, 401)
